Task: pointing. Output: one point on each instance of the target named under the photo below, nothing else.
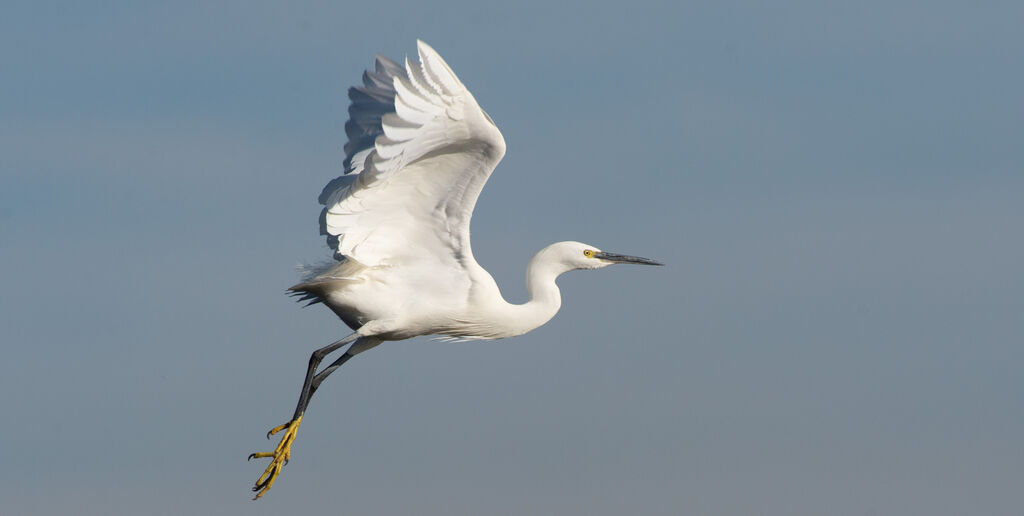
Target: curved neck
(545, 298)
(540, 283)
(495, 318)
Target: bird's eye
(588, 253)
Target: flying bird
(419, 151)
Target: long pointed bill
(622, 258)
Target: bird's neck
(496, 318)
(545, 298)
(540, 283)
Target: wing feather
(420, 150)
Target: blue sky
(835, 189)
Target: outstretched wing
(420, 150)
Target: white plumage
(433, 150)
(420, 150)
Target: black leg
(281, 454)
(360, 345)
(322, 375)
(314, 362)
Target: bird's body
(420, 150)
(422, 298)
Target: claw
(278, 428)
(280, 456)
(259, 455)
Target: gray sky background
(836, 189)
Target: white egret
(420, 150)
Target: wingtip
(434, 65)
(423, 49)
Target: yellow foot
(280, 456)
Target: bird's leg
(322, 375)
(360, 345)
(282, 453)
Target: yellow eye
(588, 253)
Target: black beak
(622, 258)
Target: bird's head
(577, 255)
